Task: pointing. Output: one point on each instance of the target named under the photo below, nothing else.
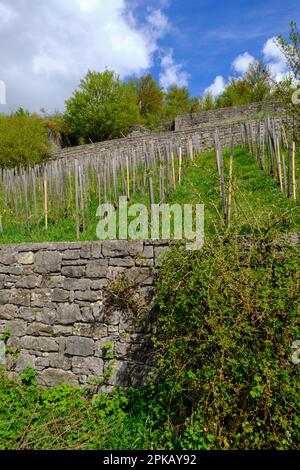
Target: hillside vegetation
(228, 315)
(224, 376)
(227, 325)
(257, 202)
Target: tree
(258, 78)
(149, 96)
(291, 50)
(286, 91)
(236, 93)
(23, 140)
(255, 85)
(208, 101)
(196, 104)
(177, 101)
(102, 108)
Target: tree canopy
(149, 95)
(177, 101)
(103, 107)
(291, 49)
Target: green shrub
(23, 140)
(28, 376)
(103, 107)
(72, 418)
(228, 317)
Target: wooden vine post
(77, 200)
(230, 185)
(46, 202)
(294, 187)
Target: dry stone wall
(202, 139)
(237, 113)
(63, 305)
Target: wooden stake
(222, 183)
(294, 184)
(127, 177)
(24, 179)
(77, 200)
(230, 185)
(173, 171)
(284, 174)
(191, 152)
(46, 203)
(81, 189)
(116, 189)
(161, 182)
(289, 177)
(278, 159)
(217, 151)
(180, 165)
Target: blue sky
(207, 36)
(47, 46)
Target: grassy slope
(257, 202)
(60, 419)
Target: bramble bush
(228, 317)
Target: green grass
(257, 202)
(71, 418)
(67, 418)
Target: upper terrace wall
(216, 116)
(201, 137)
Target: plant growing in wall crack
(8, 356)
(123, 294)
(107, 352)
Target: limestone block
(54, 377)
(77, 346)
(68, 314)
(47, 262)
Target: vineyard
(59, 199)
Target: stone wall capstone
(63, 308)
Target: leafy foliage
(103, 107)
(291, 49)
(208, 102)
(255, 85)
(72, 418)
(23, 140)
(258, 78)
(177, 101)
(228, 317)
(149, 96)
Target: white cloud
(172, 73)
(7, 14)
(242, 62)
(50, 46)
(88, 5)
(2, 92)
(275, 59)
(217, 87)
(159, 22)
(271, 51)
